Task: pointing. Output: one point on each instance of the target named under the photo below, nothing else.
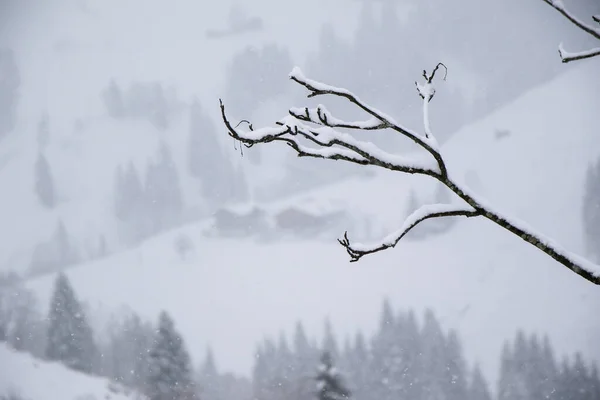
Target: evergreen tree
(70, 339)
(284, 367)
(305, 357)
(44, 183)
(329, 343)
(329, 383)
(265, 375)
(65, 251)
(130, 342)
(128, 192)
(455, 381)
(358, 361)
(478, 389)
(208, 379)
(591, 210)
(252, 76)
(26, 333)
(162, 190)
(10, 81)
(412, 378)
(220, 183)
(581, 380)
(388, 356)
(113, 100)
(564, 382)
(433, 358)
(43, 134)
(169, 376)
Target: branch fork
(565, 55)
(312, 132)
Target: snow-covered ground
(33, 379)
(477, 278)
(84, 45)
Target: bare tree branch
(335, 145)
(318, 89)
(429, 211)
(568, 57)
(291, 132)
(321, 116)
(594, 32)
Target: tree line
(403, 359)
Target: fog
(124, 197)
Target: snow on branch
(567, 56)
(427, 91)
(595, 32)
(428, 211)
(312, 132)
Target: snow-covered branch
(312, 133)
(427, 91)
(595, 32)
(429, 211)
(319, 89)
(567, 56)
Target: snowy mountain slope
(33, 379)
(478, 278)
(86, 44)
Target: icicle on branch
(311, 132)
(567, 56)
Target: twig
(424, 213)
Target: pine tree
(581, 380)
(358, 361)
(43, 134)
(162, 190)
(113, 100)
(26, 333)
(478, 389)
(591, 209)
(10, 81)
(329, 383)
(129, 343)
(433, 358)
(409, 337)
(388, 356)
(285, 374)
(565, 379)
(65, 251)
(305, 357)
(329, 343)
(70, 339)
(44, 183)
(169, 376)
(455, 381)
(209, 163)
(208, 378)
(265, 374)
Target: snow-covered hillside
(477, 278)
(33, 379)
(65, 74)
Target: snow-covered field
(33, 379)
(477, 278)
